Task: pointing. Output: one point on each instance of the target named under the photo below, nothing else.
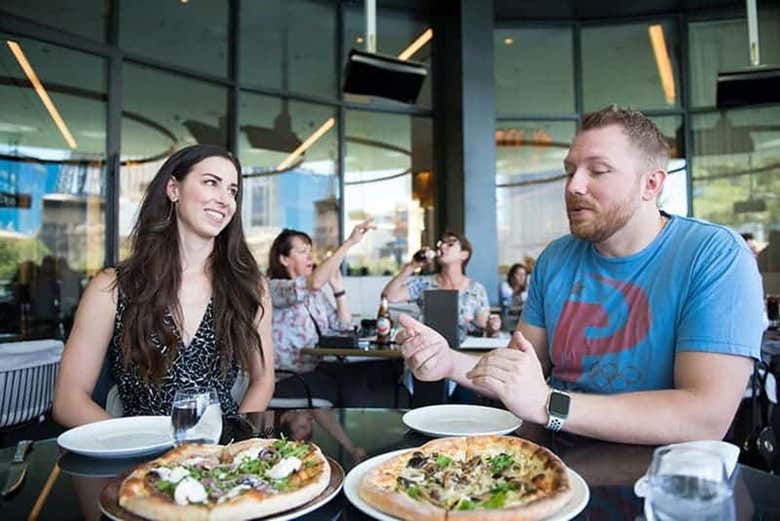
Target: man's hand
(425, 351)
(515, 375)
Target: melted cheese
(189, 490)
(284, 468)
(173, 475)
(250, 453)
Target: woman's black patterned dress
(194, 365)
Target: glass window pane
(530, 209)
(155, 123)
(633, 65)
(289, 45)
(526, 84)
(186, 34)
(388, 176)
(395, 34)
(722, 45)
(736, 174)
(52, 215)
(282, 190)
(83, 17)
(674, 198)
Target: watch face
(559, 404)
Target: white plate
(461, 420)
(119, 437)
(578, 501)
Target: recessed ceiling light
(508, 41)
(359, 39)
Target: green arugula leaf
(500, 462)
(442, 461)
(466, 504)
(497, 500)
(413, 492)
(167, 487)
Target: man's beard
(601, 224)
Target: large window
(722, 45)
(186, 34)
(534, 71)
(303, 32)
(634, 64)
(83, 17)
(736, 170)
(530, 186)
(155, 123)
(282, 188)
(387, 176)
(52, 159)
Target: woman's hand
(359, 231)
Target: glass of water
(196, 416)
(689, 484)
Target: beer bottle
(384, 324)
(425, 255)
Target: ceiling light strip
(289, 160)
(416, 45)
(45, 99)
(658, 42)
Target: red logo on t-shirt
(570, 342)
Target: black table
(610, 469)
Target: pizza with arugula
(245, 480)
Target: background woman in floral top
(303, 308)
(454, 252)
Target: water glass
(196, 416)
(689, 484)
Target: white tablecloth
(27, 374)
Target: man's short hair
(641, 131)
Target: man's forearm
(648, 417)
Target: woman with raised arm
(304, 309)
(188, 307)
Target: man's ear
(653, 184)
(172, 189)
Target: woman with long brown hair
(188, 307)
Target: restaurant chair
(28, 371)
(305, 401)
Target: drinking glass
(688, 484)
(196, 416)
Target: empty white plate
(461, 420)
(119, 437)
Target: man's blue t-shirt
(614, 324)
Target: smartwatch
(557, 409)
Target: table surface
(610, 469)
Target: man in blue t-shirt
(640, 327)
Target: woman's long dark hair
(149, 279)
(282, 246)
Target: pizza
(252, 478)
(497, 478)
